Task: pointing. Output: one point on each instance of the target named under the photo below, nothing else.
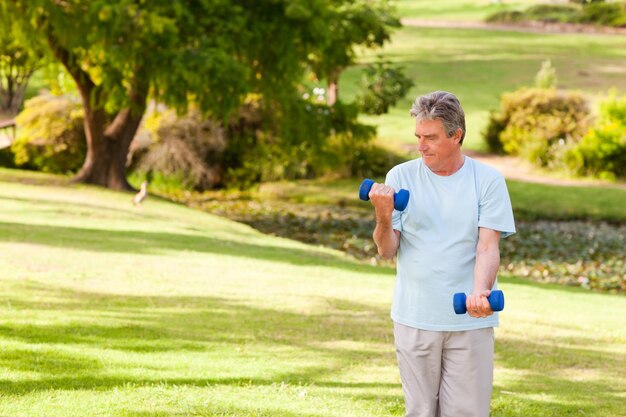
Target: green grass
(111, 310)
(542, 201)
(466, 10)
(479, 65)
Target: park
(242, 279)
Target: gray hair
(441, 105)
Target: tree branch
(127, 120)
(82, 78)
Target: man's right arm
(386, 238)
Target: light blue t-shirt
(439, 234)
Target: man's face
(437, 149)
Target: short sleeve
(494, 208)
(396, 217)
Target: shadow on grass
(131, 241)
(75, 206)
(346, 334)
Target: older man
(447, 242)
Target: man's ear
(458, 135)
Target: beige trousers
(445, 374)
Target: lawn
(479, 65)
(458, 10)
(111, 310)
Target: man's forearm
(386, 239)
(486, 268)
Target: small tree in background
(382, 86)
(18, 61)
(350, 24)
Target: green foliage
(546, 76)
(183, 150)
(312, 139)
(505, 16)
(50, 135)
(591, 12)
(551, 13)
(536, 123)
(210, 54)
(602, 151)
(348, 24)
(382, 86)
(600, 13)
(496, 124)
(18, 60)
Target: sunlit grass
(475, 10)
(479, 65)
(111, 310)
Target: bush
(602, 151)
(305, 140)
(536, 123)
(310, 139)
(51, 136)
(505, 16)
(594, 12)
(608, 14)
(551, 13)
(184, 150)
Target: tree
(117, 52)
(382, 87)
(209, 52)
(366, 23)
(18, 62)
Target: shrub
(608, 14)
(185, 150)
(51, 136)
(594, 12)
(305, 140)
(551, 13)
(536, 123)
(309, 139)
(602, 151)
(505, 16)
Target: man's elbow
(386, 253)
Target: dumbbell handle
(400, 199)
(496, 301)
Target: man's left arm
(485, 272)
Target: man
(447, 242)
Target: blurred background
(270, 114)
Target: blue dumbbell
(400, 199)
(496, 301)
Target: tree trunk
(12, 96)
(333, 87)
(108, 145)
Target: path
(530, 27)
(518, 169)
